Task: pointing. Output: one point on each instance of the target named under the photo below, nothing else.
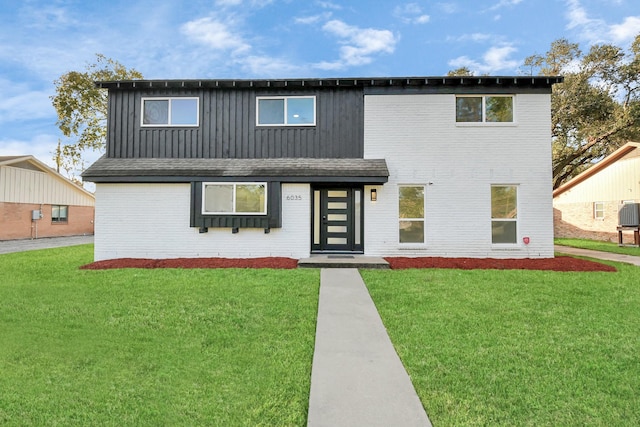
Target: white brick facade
(152, 221)
(423, 145)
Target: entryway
(337, 220)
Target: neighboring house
(587, 206)
(442, 166)
(36, 201)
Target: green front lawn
(597, 245)
(152, 347)
(512, 347)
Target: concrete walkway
(357, 378)
(8, 246)
(608, 256)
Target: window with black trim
(59, 213)
(484, 109)
(286, 111)
(181, 111)
(226, 198)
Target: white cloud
(411, 13)
(328, 5)
(495, 60)
(626, 31)
(473, 37)
(266, 66)
(505, 3)
(40, 146)
(20, 103)
(308, 20)
(215, 34)
(358, 44)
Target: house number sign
(294, 197)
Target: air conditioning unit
(629, 215)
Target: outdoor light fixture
(235, 230)
(374, 195)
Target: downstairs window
(504, 214)
(234, 198)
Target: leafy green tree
(82, 109)
(597, 108)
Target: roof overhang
(139, 170)
(607, 161)
(523, 82)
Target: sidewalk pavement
(357, 378)
(607, 256)
(8, 246)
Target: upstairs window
(504, 214)
(59, 213)
(234, 198)
(170, 111)
(484, 109)
(286, 111)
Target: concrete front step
(342, 261)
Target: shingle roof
(283, 169)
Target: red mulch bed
(562, 263)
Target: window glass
(300, 111)
(411, 213)
(184, 111)
(286, 111)
(271, 111)
(170, 112)
(598, 210)
(248, 199)
(156, 112)
(484, 109)
(59, 213)
(218, 198)
(469, 109)
(504, 213)
(499, 108)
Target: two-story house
(429, 166)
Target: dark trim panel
(273, 218)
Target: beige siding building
(36, 201)
(587, 206)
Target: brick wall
(16, 223)
(575, 220)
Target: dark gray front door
(337, 220)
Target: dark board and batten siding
(228, 129)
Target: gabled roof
(105, 169)
(30, 162)
(602, 164)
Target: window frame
(57, 219)
(169, 99)
(424, 214)
(504, 219)
(286, 102)
(484, 121)
(597, 211)
(234, 199)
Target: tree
(82, 109)
(462, 71)
(596, 109)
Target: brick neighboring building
(586, 207)
(28, 185)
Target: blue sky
(172, 39)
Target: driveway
(8, 246)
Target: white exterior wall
(152, 221)
(422, 144)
